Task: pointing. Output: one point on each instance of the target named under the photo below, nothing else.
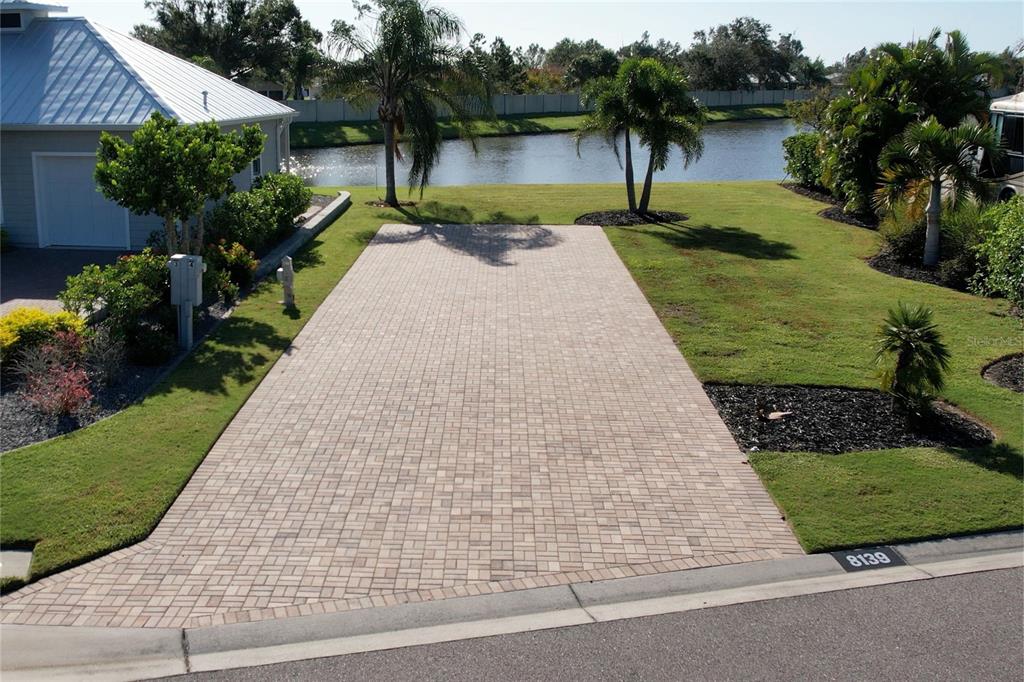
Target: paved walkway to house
(471, 410)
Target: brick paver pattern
(472, 409)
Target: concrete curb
(270, 262)
(48, 652)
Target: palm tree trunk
(645, 198)
(630, 188)
(391, 197)
(931, 235)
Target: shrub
(105, 355)
(54, 382)
(263, 215)
(903, 232)
(244, 217)
(963, 227)
(61, 390)
(151, 344)
(64, 349)
(911, 357)
(1002, 253)
(217, 284)
(25, 328)
(288, 194)
(803, 161)
(236, 261)
(130, 289)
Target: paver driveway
(472, 409)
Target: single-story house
(65, 79)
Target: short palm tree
(411, 65)
(930, 159)
(648, 98)
(911, 356)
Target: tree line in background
(250, 40)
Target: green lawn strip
(747, 113)
(106, 486)
(314, 135)
(754, 287)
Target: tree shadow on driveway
(491, 244)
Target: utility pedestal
(186, 292)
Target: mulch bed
(834, 211)
(884, 261)
(320, 200)
(23, 425)
(834, 420)
(1007, 372)
(626, 218)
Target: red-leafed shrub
(59, 391)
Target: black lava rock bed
(1007, 372)
(833, 420)
(625, 218)
(887, 263)
(23, 425)
(835, 211)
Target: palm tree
(911, 356)
(410, 64)
(928, 157)
(610, 116)
(650, 99)
(666, 116)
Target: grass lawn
(754, 287)
(307, 135)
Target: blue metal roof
(70, 72)
(33, 6)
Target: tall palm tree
(411, 65)
(647, 98)
(928, 157)
(610, 116)
(666, 116)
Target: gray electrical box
(186, 279)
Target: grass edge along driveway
(754, 288)
(106, 486)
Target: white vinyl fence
(333, 110)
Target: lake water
(741, 150)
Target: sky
(828, 29)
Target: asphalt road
(966, 627)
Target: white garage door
(72, 212)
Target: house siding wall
(17, 187)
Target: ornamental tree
(172, 170)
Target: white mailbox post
(186, 291)
(286, 276)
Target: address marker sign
(866, 559)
